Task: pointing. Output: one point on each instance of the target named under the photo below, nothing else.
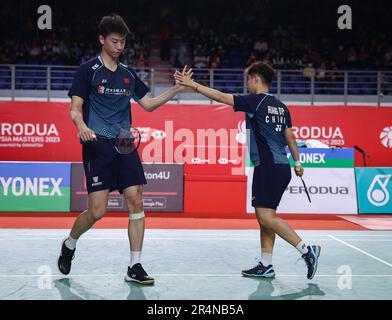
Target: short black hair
(112, 24)
(263, 69)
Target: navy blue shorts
(269, 183)
(106, 169)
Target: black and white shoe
(65, 260)
(137, 274)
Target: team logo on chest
(101, 89)
(113, 91)
(126, 80)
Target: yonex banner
(374, 187)
(164, 191)
(321, 158)
(35, 186)
(332, 191)
(325, 158)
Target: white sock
(266, 259)
(135, 257)
(302, 248)
(70, 243)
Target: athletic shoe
(65, 260)
(260, 271)
(311, 260)
(137, 274)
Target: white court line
(181, 275)
(173, 232)
(362, 251)
(192, 239)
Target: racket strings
(127, 141)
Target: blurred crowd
(214, 34)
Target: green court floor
(194, 264)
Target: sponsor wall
(374, 187)
(35, 187)
(61, 187)
(208, 139)
(330, 179)
(164, 190)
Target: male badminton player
(269, 122)
(100, 105)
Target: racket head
(127, 140)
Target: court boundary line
(189, 275)
(361, 251)
(191, 239)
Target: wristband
(297, 163)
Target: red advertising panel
(209, 139)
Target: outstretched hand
(184, 78)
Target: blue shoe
(259, 271)
(311, 260)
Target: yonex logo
(20, 186)
(95, 179)
(377, 193)
(159, 134)
(386, 137)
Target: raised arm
(186, 81)
(150, 104)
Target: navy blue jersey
(107, 95)
(267, 119)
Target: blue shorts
(269, 183)
(106, 169)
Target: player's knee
(136, 202)
(96, 213)
(267, 221)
